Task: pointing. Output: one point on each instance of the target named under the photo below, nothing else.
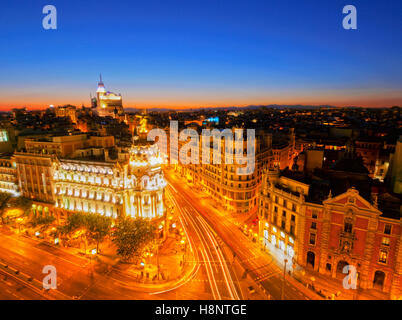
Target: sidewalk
(332, 286)
(170, 260)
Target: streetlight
(312, 282)
(284, 275)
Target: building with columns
(134, 187)
(317, 225)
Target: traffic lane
(11, 289)
(237, 241)
(71, 278)
(204, 252)
(213, 251)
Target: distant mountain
(250, 107)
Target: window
(292, 230)
(293, 218)
(348, 227)
(283, 213)
(314, 214)
(283, 224)
(312, 238)
(385, 241)
(276, 209)
(383, 256)
(314, 225)
(293, 207)
(285, 203)
(387, 229)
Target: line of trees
(92, 226)
(131, 236)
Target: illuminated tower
(101, 88)
(108, 103)
(144, 183)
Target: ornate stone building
(302, 222)
(235, 192)
(8, 176)
(132, 187)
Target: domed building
(132, 186)
(144, 182)
(107, 103)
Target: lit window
(385, 241)
(290, 251)
(383, 256)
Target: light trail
(207, 236)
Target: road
(211, 241)
(260, 265)
(208, 252)
(12, 289)
(79, 278)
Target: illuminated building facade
(67, 111)
(108, 103)
(143, 194)
(8, 176)
(6, 141)
(35, 179)
(236, 193)
(281, 215)
(88, 186)
(327, 235)
(66, 145)
(131, 188)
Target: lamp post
(284, 275)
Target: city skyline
(191, 55)
(200, 154)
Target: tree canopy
(132, 236)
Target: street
(260, 265)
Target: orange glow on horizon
(238, 100)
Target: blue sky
(202, 53)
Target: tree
(46, 220)
(93, 226)
(4, 198)
(98, 227)
(75, 222)
(24, 204)
(132, 236)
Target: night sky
(202, 53)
